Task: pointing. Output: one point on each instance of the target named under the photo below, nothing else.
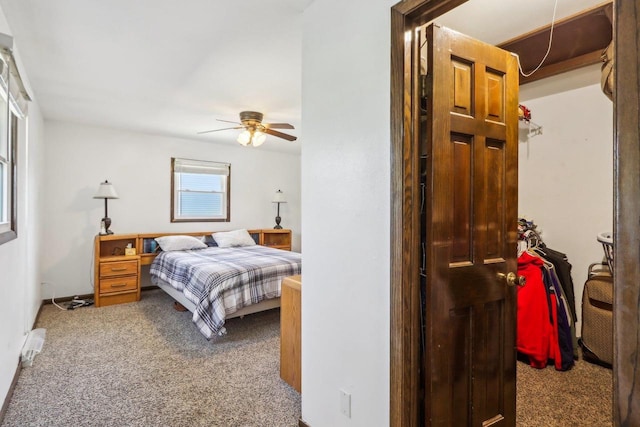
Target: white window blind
(200, 190)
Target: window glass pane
(201, 205)
(201, 182)
(200, 195)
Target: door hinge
(424, 86)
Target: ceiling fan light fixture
(255, 132)
(244, 138)
(258, 138)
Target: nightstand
(279, 239)
(116, 275)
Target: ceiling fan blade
(280, 134)
(227, 121)
(216, 130)
(278, 126)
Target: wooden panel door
(470, 160)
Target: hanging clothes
(534, 329)
(556, 276)
(562, 326)
(560, 264)
(563, 269)
(544, 320)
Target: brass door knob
(512, 279)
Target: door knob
(512, 279)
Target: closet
(565, 173)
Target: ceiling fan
(255, 132)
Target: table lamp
(106, 191)
(278, 198)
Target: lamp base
(278, 226)
(104, 226)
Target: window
(8, 190)
(11, 108)
(200, 191)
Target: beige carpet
(145, 364)
(580, 397)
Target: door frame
(405, 200)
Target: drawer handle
(119, 285)
(119, 269)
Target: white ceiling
(171, 67)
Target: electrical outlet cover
(345, 403)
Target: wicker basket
(607, 244)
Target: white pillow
(179, 243)
(229, 239)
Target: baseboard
(67, 299)
(301, 423)
(89, 296)
(9, 395)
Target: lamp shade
(244, 138)
(279, 197)
(258, 138)
(106, 191)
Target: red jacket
(534, 334)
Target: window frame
(13, 91)
(174, 192)
(9, 230)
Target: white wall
(346, 193)
(79, 157)
(566, 174)
(19, 258)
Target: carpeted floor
(145, 364)
(579, 397)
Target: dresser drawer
(118, 268)
(119, 284)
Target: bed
(219, 283)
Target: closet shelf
(530, 127)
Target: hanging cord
(553, 22)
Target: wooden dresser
(116, 275)
(290, 331)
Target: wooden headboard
(280, 239)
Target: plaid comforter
(220, 281)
